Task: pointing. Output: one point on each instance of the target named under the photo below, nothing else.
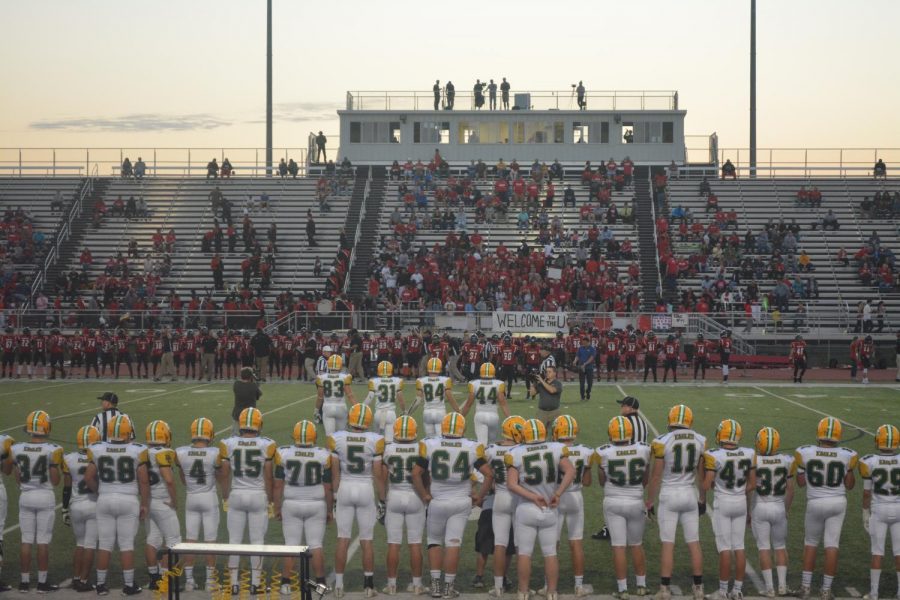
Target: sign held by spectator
(529, 322)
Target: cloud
(297, 112)
(134, 122)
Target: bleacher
(760, 201)
(184, 205)
(506, 230)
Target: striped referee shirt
(639, 428)
(550, 361)
(102, 419)
(321, 365)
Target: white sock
(874, 579)
(392, 581)
(782, 576)
(189, 573)
(449, 578)
(25, 577)
(42, 576)
(339, 580)
(723, 586)
(767, 578)
(254, 576)
(806, 579)
(435, 575)
(101, 576)
(498, 582)
(641, 580)
(154, 570)
(738, 586)
(417, 581)
(826, 582)
(622, 584)
(233, 574)
(579, 580)
(128, 576)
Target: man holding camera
(548, 389)
(246, 395)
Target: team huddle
(528, 478)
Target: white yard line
(641, 413)
(274, 410)
(809, 408)
(46, 387)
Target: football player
(571, 504)
(118, 474)
(675, 479)
(80, 510)
(504, 504)
(671, 350)
(725, 345)
(6, 443)
(486, 393)
(881, 501)
(826, 471)
(434, 390)
(770, 505)
(200, 466)
(546, 473)
(37, 467)
(358, 452)
(731, 474)
(404, 507)
(622, 470)
(303, 498)
(651, 354)
(449, 461)
(333, 391)
(387, 391)
(701, 357)
(798, 358)
(247, 491)
(164, 530)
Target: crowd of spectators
(20, 241)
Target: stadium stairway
(71, 248)
(369, 233)
(643, 213)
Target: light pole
(268, 88)
(753, 88)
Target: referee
(549, 360)
(109, 403)
(631, 411)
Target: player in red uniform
(573, 341)
(8, 344)
(286, 368)
(612, 351)
(383, 346)
(725, 344)
(106, 344)
(854, 356)
(56, 345)
(142, 352)
(414, 353)
(178, 352)
(397, 352)
(798, 358)
(369, 354)
(701, 357)
(532, 354)
(509, 360)
(670, 351)
(651, 352)
(123, 353)
(232, 351)
(558, 345)
(866, 356)
(472, 352)
(630, 350)
(91, 351)
(156, 352)
(277, 347)
(24, 349)
(190, 347)
(76, 353)
(39, 355)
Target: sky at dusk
(97, 73)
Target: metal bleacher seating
(183, 204)
(757, 202)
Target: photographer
(585, 360)
(246, 395)
(549, 391)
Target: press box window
(429, 132)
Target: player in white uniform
(731, 474)
(539, 472)
(676, 478)
(504, 505)
(332, 393)
(571, 504)
(358, 452)
(200, 468)
(303, 499)
(6, 443)
(881, 501)
(37, 469)
(80, 509)
(247, 491)
(623, 471)
(118, 474)
(486, 393)
(163, 529)
(404, 507)
(449, 461)
(434, 391)
(387, 392)
(769, 508)
(826, 471)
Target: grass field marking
(269, 412)
(815, 410)
(95, 409)
(30, 389)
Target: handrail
(538, 99)
(659, 282)
(358, 234)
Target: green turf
(793, 410)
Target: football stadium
(555, 332)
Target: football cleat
(360, 416)
(453, 425)
(405, 429)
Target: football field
(793, 410)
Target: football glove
(67, 518)
(317, 416)
(271, 510)
(701, 508)
(225, 505)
